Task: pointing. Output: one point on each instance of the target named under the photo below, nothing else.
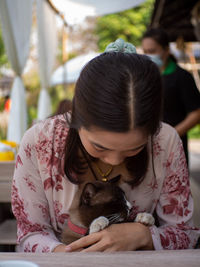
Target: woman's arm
(29, 202)
(190, 121)
(175, 206)
(190, 101)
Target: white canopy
(16, 19)
(103, 7)
(47, 44)
(76, 10)
(70, 71)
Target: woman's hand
(60, 248)
(117, 237)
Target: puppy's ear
(88, 193)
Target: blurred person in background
(181, 105)
(7, 105)
(64, 106)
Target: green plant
(129, 25)
(3, 133)
(194, 132)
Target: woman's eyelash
(99, 148)
(103, 149)
(136, 149)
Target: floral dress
(42, 194)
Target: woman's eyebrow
(132, 149)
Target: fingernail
(67, 249)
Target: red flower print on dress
(60, 136)
(58, 178)
(25, 226)
(49, 183)
(34, 247)
(58, 187)
(27, 151)
(44, 149)
(174, 238)
(177, 204)
(58, 181)
(46, 249)
(173, 207)
(29, 183)
(152, 186)
(28, 248)
(176, 185)
(176, 171)
(183, 226)
(18, 161)
(156, 146)
(60, 217)
(44, 210)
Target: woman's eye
(135, 150)
(99, 149)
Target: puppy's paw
(98, 224)
(145, 218)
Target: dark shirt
(181, 97)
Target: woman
(114, 129)
(181, 96)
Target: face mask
(156, 59)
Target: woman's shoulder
(51, 128)
(167, 138)
(167, 130)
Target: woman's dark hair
(159, 36)
(116, 92)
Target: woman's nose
(114, 159)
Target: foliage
(129, 25)
(32, 85)
(194, 133)
(3, 56)
(59, 93)
(2, 103)
(3, 133)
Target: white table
(181, 258)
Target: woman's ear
(88, 193)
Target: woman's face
(151, 47)
(112, 148)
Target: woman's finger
(83, 242)
(94, 248)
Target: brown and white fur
(100, 204)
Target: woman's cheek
(93, 152)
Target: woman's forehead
(113, 140)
